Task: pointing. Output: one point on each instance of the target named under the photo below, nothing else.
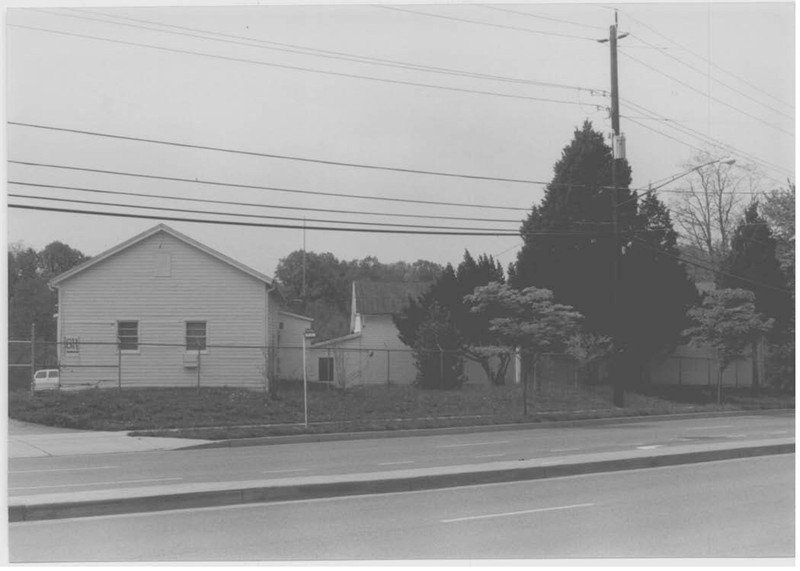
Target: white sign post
(307, 334)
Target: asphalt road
(63, 474)
(734, 508)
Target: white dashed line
(63, 470)
(515, 513)
(396, 463)
(474, 444)
(96, 484)
(285, 471)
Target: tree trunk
(618, 394)
(754, 354)
(525, 388)
(719, 383)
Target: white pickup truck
(46, 380)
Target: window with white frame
(128, 335)
(196, 335)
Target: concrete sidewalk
(26, 440)
(197, 495)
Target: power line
(315, 52)
(701, 72)
(479, 23)
(235, 214)
(299, 68)
(273, 155)
(712, 269)
(704, 138)
(255, 224)
(704, 94)
(274, 188)
(538, 17)
(258, 205)
(709, 62)
(437, 231)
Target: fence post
(198, 366)
(119, 364)
(33, 352)
(680, 371)
(441, 367)
(388, 358)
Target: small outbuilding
(372, 353)
(164, 310)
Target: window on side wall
(128, 335)
(196, 335)
(326, 369)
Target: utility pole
(303, 293)
(618, 149)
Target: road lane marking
(395, 463)
(651, 447)
(506, 514)
(711, 427)
(95, 484)
(489, 455)
(564, 449)
(779, 432)
(474, 444)
(285, 471)
(62, 470)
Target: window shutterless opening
(128, 335)
(196, 336)
(326, 369)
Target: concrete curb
(410, 432)
(194, 496)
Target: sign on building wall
(72, 345)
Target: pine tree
(753, 264)
(569, 248)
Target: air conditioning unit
(190, 360)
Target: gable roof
(152, 232)
(381, 298)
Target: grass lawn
(221, 413)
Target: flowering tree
(526, 320)
(726, 322)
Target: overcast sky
(346, 84)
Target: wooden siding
(377, 356)
(289, 340)
(199, 288)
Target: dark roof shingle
(381, 298)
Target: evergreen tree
(472, 329)
(570, 249)
(752, 264)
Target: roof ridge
(161, 227)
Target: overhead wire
(704, 59)
(735, 90)
(706, 139)
(244, 215)
(305, 50)
(401, 228)
(704, 94)
(481, 23)
(256, 224)
(272, 155)
(260, 205)
(272, 188)
(298, 68)
(710, 268)
(539, 17)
